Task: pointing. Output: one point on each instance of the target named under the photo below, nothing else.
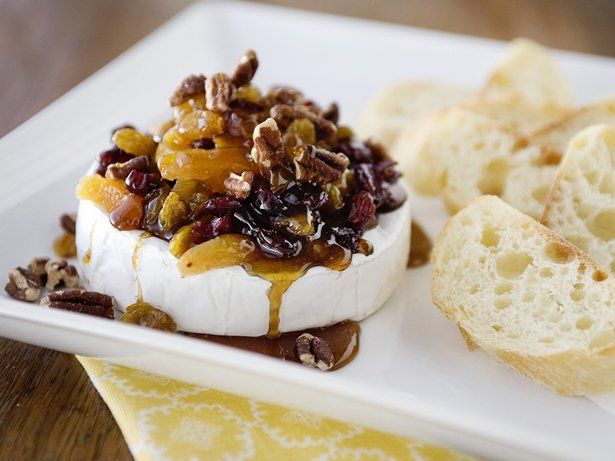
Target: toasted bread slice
(527, 296)
(581, 204)
(396, 106)
(528, 70)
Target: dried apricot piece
(128, 214)
(106, 193)
(200, 124)
(134, 142)
(224, 251)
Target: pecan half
(284, 114)
(331, 113)
(68, 222)
(268, 150)
(319, 165)
(191, 86)
(59, 273)
(284, 95)
(84, 302)
(314, 352)
(239, 186)
(37, 267)
(246, 68)
(142, 163)
(218, 92)
(23, 285)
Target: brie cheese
(229, 301)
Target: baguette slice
(581, 204)
(398, 105)
(527, 69)
(528, 297)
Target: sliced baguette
(527, 297)
(581, 204)
(528, 70)
(396, 106)
(461, 154)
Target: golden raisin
(248, 93)
(181, 241)
(134, 142)
(173, 212)
(226, 250)
(146, 315)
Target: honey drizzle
(275, 294)
(420, 247)
(135, 262)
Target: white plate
(413, 376)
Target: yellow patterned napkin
(163, 419)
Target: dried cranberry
(267, 202)
(304, 195)
(345, 236)
(362, 210)
(203, 143)
(274, 244)
(222, 204)
(366, 180)
(210, 227)
(249, 106)
(394, 196)
(106, 158)
(141, 183)
(385, 171)
(355, 150)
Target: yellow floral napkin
(163, 419)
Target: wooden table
(48, 408)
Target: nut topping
(68, 222)
(268, 150)
(320, 165)
(23, 285)
(142, 163)
(37, 267)
(284, 95)
(284, 115)
(81, 301)
(191, 86)
(314, 352)
(246, 68)
(331, 113)
(239, 186)
(59, 273)
(217, 92)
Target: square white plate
(413, 376)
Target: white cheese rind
(229, 301)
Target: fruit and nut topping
(272, 169)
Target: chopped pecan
(284, 115)
(142, 163)
(319, 165)
(68, 222)
(246, 68)
(314, 352)
(59, 273)
(284, 95)
(239, 186)
(268, 150)
(331, 113)
(191, 86)
(84, 302)
(218, 92)
(23, 285)
(37, 267)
